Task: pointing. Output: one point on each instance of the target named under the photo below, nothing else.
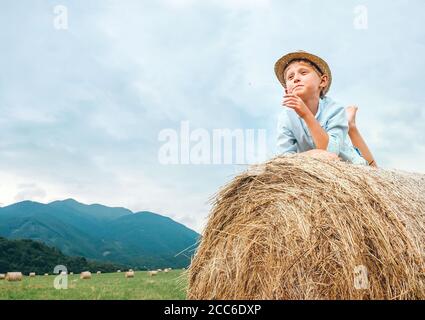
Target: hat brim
(283, 63)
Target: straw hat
(319, 63)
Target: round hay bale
(64, 273)
(32, 274)
(85, 275)
(71, 273)
(118, 271)
(14, 276)
(129, 274)
(297, 227)
(99, 272)
(46, 274)
(2, 276)
(153, 273)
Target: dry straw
(297, 227)
(2, 276)
(153, 273)
(85, 275)
(14, 276)
(129, 274)
(32, 274)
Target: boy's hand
(294, 102)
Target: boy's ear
(324, 81)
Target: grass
(106, 286)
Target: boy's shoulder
(331, 103)
(331, 106)
(286, 116)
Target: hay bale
(85, 275)
(14, 276)
(2, 276)
(159, 270)
(303, 228)
(129, 274)
(118, 271)
(46, 274)
(32, 274)
(71, 273)
(63, 273)
(153, 273)
(99, 272)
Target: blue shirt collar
(319, 108)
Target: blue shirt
(294, 135)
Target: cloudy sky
(86, 88)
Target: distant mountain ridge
(142, 239)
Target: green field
(171, 285)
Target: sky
(92, 93)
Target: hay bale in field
(2, 276)
(46, 274)
(118, 271)
(32, 274)
(71, 273)
(85, 275)
(99, 272)
(14, 276)
(297, 227)
(159, 270)
(153, 273)
(64, 273)
(129, 274)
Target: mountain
(142, 239)
(30, 256)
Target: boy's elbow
(333, 145)
(324, 145)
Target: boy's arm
(320, 137)
(337, 129)
(331, 138)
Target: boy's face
(303, 80)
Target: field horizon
(104, 286)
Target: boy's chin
(299, 93)
(302, 93)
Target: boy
(312, 122)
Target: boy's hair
(312, 64)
